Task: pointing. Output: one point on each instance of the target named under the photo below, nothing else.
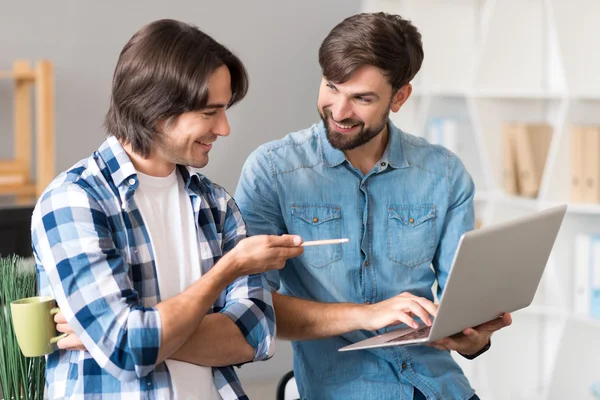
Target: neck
(154, 165)
(366, 156)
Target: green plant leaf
(20, 376)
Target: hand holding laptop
(471, 340)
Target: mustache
(348, 121)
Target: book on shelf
(445, 131)
(525, 150)
(577, 164)
(509, 153)
(586, 274)
(591, 164)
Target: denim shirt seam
(273, 173)
(426, 170)
(449, 175)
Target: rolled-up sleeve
(248, 301)
(89, 278)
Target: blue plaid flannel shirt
(94, 256)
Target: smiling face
(356, 111)
(188, 138)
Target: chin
(199, 163)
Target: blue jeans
(420, 396)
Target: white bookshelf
(488, 62)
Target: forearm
(181, 315)
(299, 319)
(216, 342)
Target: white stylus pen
(328, 241)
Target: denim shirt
(404, 219)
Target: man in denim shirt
(401, 201)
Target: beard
(177, 154)
(345, 142)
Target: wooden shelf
(33, 108)
(18, 190)
(23, 76)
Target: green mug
(33, 322)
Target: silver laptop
(496, 269)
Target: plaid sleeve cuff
(255, 319)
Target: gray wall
(277, 40)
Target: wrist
(227, 268)
(478, 352)
(358, 316)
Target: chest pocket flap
(411, 234)
(318, 222)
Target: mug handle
(53, 311)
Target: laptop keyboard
(416, 334)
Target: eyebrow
(362, 94)
(365, 94)
(215, 105)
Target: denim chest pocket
(411, 234)
(318, 222)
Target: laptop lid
(497, 269)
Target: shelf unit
(488, 62)
(17, 174)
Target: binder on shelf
(532, 145)
(595, 389)
(509, 164)
(582, 251)
(591, 164)
(586, 275)
(445, 131)
(594, 267)
(577, 164)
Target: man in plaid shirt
(159, 288)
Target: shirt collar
(123, 172)
(393, 154)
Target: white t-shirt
(168, 215)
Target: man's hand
(263, 253)
(71, 342)
(471, 340)
(399, 309)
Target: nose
(222, 127)
(341, 109)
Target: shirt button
(403, 366)
(411, 220)
(315, 220)
(383, 164)
(132, 181)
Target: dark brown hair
(382, 40)
(162, 72)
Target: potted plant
(20, 377)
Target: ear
(400, 97)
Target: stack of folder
(585, 164)
(525, 150)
